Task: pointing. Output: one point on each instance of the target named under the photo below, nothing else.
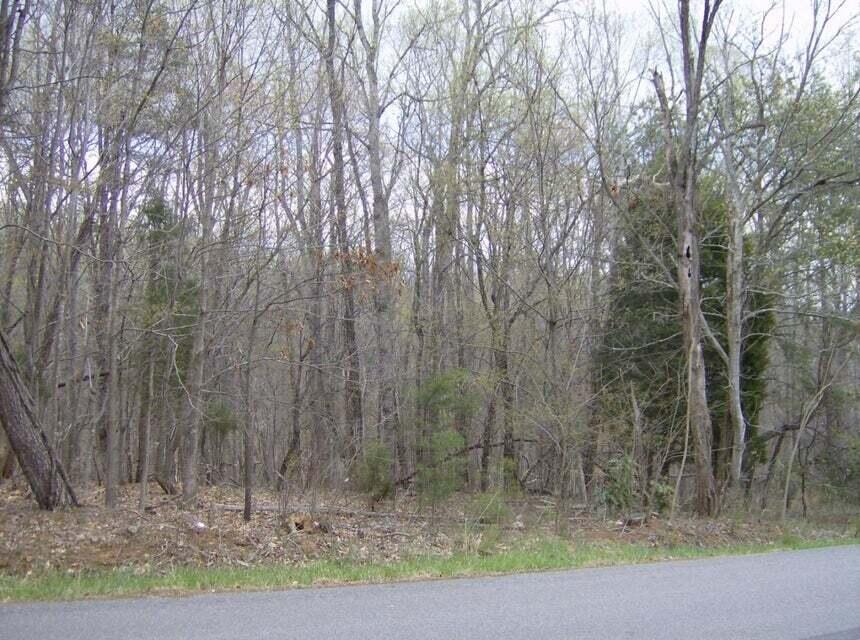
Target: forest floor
(322, 528)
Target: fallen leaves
(165, 536)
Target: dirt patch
(312, 527)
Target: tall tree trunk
(41, 467)
(736, 213)
(146, 429)
(506, 388)
(145, 417)
(312, 259)
(697, 399)
(353, 401)
(108, 230)
(384, 319)
(322, 425)
(247, 393)
(444, 212)
(681, 145)
(210, 133)
(487, 441)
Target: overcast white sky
(792, 18)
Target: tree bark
(247, 393)
(681, 156)
(145, 435)
(389, 423)
(43, 470)
(734, 337)
(353, 400)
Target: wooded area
(610, 256)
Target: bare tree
(353, 396)
(28, 441)
(754, 136)
(682, 141)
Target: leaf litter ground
(318, 526)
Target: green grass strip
(538, 555)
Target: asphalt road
(784, 596)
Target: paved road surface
(784, 596)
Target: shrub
(445, 470)
(661, 495)
(619, 484)
(448, 394)
(373, 473)
(510, 478)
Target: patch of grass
(538, 554)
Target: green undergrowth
(540, 554)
